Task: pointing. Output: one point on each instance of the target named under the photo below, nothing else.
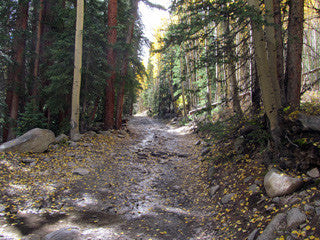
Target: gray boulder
(62, 138)
(295, 217)
(310, 122)
(277, 223)
(71, 233)
(278, 184)
(36, 140)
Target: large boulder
(271, 231)
(36, 140)
(310, 122)
(279, 184)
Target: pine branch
(154, 5)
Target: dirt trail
(150, 185)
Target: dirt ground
(146, 183)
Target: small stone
(71, 233)
(81, 171)
(317, 203)
(295, 217)
(213, 190)
(253, 189)
(276, 200)
(253, 235)
(33, 164)
(198, 143)
(28, 160)
(276, 224)
(318, 211)
(73, 144)
(62, 138)
(314, 173)
(121, 136)
(247, 179)
(227, 198)
(309, 210)
(77, 137)
(205, 151)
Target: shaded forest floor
(148, 182)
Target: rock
(309, 210)
(205, 151)
(253, 235)
(277, 223)
(30, 221)
(2, 210)
(81, 171)
(279, 184)
(310, 122)
(71, 233)
(238, 144)
(62, 138)
(211, 172)
(90, 134)
(227, 198)
(247, 179)
(314, 173)
(28, 160)
(36, 140)
(253, 189)
(105, 133)
(31, 237)
(72, 144)
(121, 136)
(295, 217)
(76, 137)
(198, 143)
(213, 190)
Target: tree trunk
(279, 47)
(35, 89)
(75, 105)
(112, 39)
(16, 74)
(231, 69)
(124, 70)
(182, 76)
(269, 87)
(294, 52)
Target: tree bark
(75, 105)
(124, 70)
(269, 87)
(294, 52)
(111, 55)
(16, 73)
(35, 89)
(279, 47)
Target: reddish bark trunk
(35, 89)
(112, 39)
(124, 70)
(294, 52)
(17, 69)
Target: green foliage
(30, 118)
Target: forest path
(149, 184)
